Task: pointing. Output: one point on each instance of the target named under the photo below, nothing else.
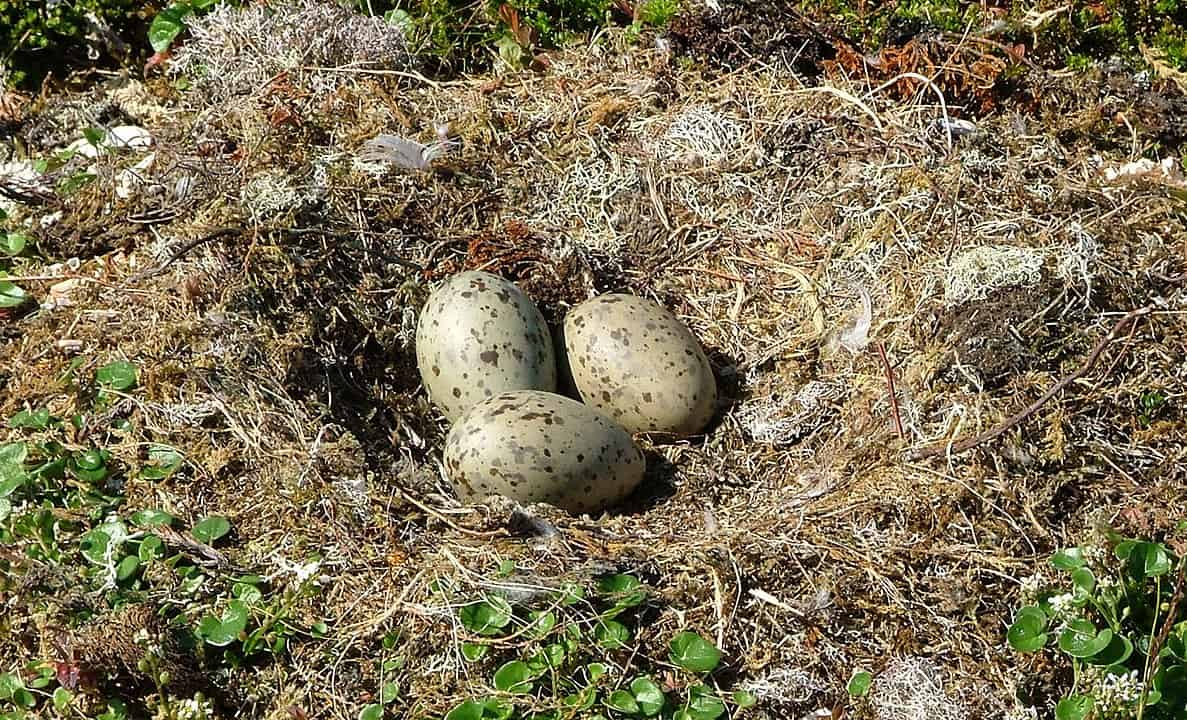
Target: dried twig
(181, 252)
(1169, 621)
(898, 419)
(970, 443)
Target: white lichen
(313, 45)
(977, 272)
(912, 689)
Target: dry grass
(791, 226)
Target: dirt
(1003, 336)
(749, 32)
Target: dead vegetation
(267, 284)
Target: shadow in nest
(658, 486)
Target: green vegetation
(13, 243)
(573, 656)
(1114, 616)
(468, 33)
(1073, 33)
(37, 36)
(62, 508)
(471, 34)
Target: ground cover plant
(940, 284)
(1118, 624)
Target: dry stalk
(953, 448)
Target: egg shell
(534, 446)
(635, 361)
(480, 335)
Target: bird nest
(873, 288)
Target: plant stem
(1150, 648)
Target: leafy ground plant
(1116, 615)
(579, 657)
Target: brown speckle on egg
(652, 373)
(592, 463)
(461, 321)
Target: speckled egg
(635, 361)
(480, 335)
(534, 446)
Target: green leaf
(13, 454)
(90, 460)
(596, 670)
(540, 624)
(63, 699)
(248, 593)
(11, 295)
(625, 591)
(1068, 559)
(1083, 580)
(1074, 707)
(1171, 684)
(571, 594)
(496, 709)
(167, 25)
(623, 702)
(1155, 559)
(5, 509)
(1116, 652)
(744, 699)
(552, 656)
(151, 518)
(612, 634)
(374, 711)
(1080, 639)
(9, 684)
(859, 684)
(13, 243)
(95, 136)
(75, 182)
(24, 698)
(127, 567)
(12, 477)
(693, 653)
(165, 461)
(30, 420)
(583, 700)
(469, 710)
(224, 630)
(150, 549)
(486, 617)
(388, 693)
(473, 652)
(514, 677)
(94, 546)
(1027, 633)
(703, 703)
(210, 529)
(648, 695)
(119, 375)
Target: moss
(42, 36)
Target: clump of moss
(1099, 30)
(42, 36)
(1073, 34)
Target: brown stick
(180, 252)
(970, 443)
(1169, 620)
(898, 420)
